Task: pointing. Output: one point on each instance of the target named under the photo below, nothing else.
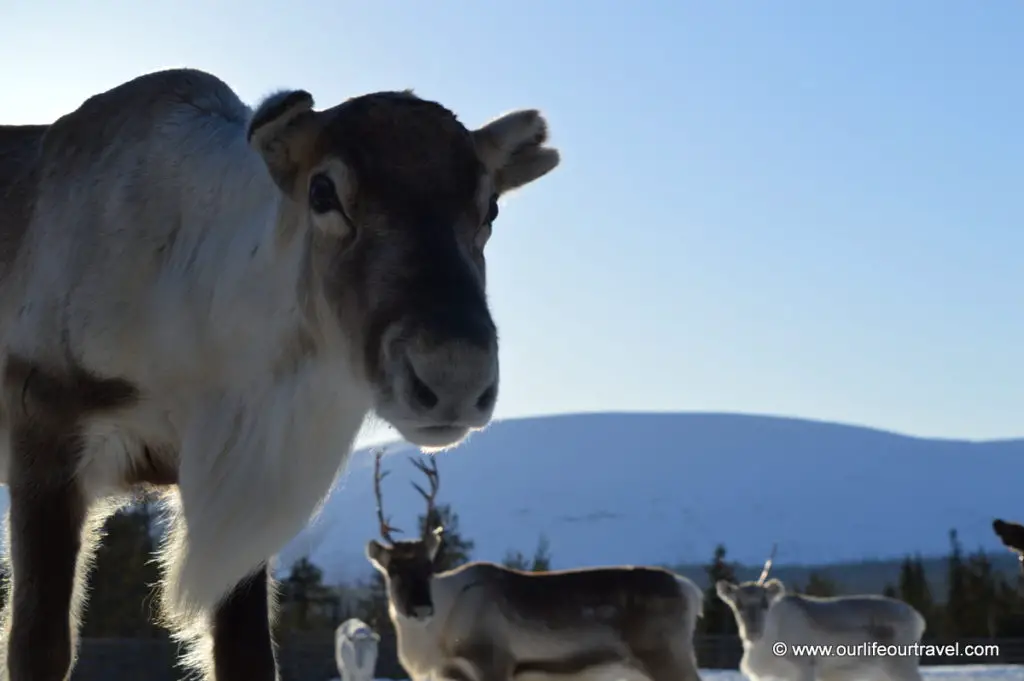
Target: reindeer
(486, 622)
(765, 615)
(1012, 536)
(355, 650)
(208, 299)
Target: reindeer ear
(726, 590)
(281, 130)
(378, 555)
(511, 149)
(775, 588)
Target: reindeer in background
(355, 650)
(1012, 536)
(766, 615)
(486, 622)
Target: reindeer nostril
(421, 392)
(487, 397)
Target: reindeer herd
(204, 300)
(482, 621)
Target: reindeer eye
(323, 197)
(492, 212)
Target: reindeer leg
(671, 662)
(243, 647)
(45, 523)
(489, 662)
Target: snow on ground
(508, 484)
(1007, 672)
(979, 672)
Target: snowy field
(1005, 672)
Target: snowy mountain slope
(665, 488)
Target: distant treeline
(961, 596)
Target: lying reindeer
(1012, 536)
(766, 614)
(485, 622)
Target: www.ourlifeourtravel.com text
(870, 649)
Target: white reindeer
(355, 650)
(864, 627)
(486, 622)
(209, 299)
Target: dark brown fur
(48, 511)
(51, 548)
(416, 171)
(621, 597)
(567, 666)
(1012, 536)
(243, 649)
(19, 147)
(643, 605)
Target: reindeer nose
(459, 384)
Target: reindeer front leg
(45, 524)
(243, 647)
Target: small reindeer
(486, 622)
(355, 650)
(766, 614)
(1012, 536)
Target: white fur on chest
(254, 464)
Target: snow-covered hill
(666, 488)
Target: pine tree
(305, 602)
(515, 560)
(820, 585)
(542, 555)
(541, 561)
(981, 595)
(718, 618)
(914, 589)
(455, 549)
(122, 582)
(957, 611)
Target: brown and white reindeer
(486, 622)
(209, 299)
(774, 627)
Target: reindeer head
(1012, 536)
(395, 199)
(407, 565)
(750, 601)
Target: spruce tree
(820, 585)
(957, 610)
(718, 617)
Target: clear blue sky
(799, 208)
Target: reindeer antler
(767, 565)
(433, 478)
(385, 527)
